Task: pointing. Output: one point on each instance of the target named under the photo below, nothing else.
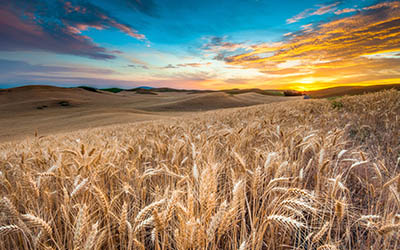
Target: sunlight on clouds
(289, 64)
(355, 50)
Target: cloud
(219, 48)
(217, 44)
(18, 35)
(18, 69)
(388, 4)
(307, 27)
(138, 66)
(364, 33)
(196, 65)
(183, 65)
(82, 14)
(325, 9)
(67, 81)
(169, 66)
(346, 10)
(334, 52)
(56, 26)
(147, 7)
(195, 76)
(312, 12)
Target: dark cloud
(220, 56)
(83, 14)
(216, 43)
(169, 66)
(19, 35)
(222, 49)
(138, 66)
(56, 26)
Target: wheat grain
(79, 187)
(286, 222)
(389, 228)
(90, 241)
(79, 226)
(327, 247)
(4, 230)
(36, 221)
(318, 236)
(146, 209)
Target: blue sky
(199, 44)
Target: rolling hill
(48, 109)
(349, 90)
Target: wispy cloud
(346, 10)
(184, 65)
(148, 7)
(312, 12)
(16, 67)
(196, 65)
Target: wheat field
(309, 174)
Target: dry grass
(350, 90)
(300, 175)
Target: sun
(300, 88)
(308, 80)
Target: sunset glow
(301, 45)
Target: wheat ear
(39, 222)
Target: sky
(301, 45)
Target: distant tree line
(292, 93)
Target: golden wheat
(301, 175)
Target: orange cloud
(339, 52)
